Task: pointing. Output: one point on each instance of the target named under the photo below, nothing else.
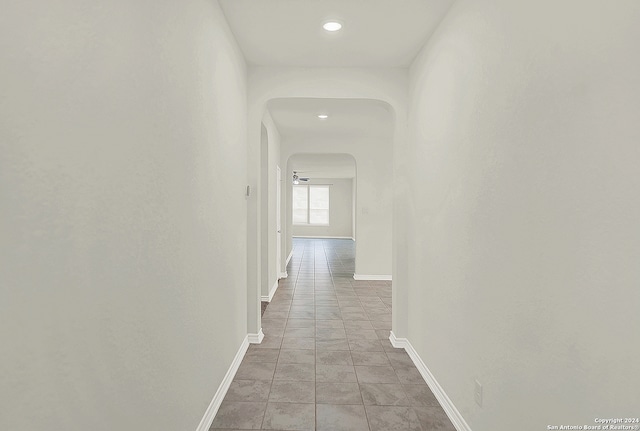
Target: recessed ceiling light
(323, 116)
(332, 26)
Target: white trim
(289, 258)
(283, 275)
(385, 277)
(256, 338)
(450, 409)
(353, 238)
(312, 225)
(398, 343)
(272, 292)
(321, 237)
(214, 406)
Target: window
(310, 204)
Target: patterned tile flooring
(326, 362)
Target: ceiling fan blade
(304, 179)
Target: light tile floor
(326, 362)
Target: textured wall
(270, 159)
(374, 196)
(520, 200)
(122, 175)
(388, 85)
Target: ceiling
(297, 118)
(323, 165)
(375, 33)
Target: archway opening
(316, 137)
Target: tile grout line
(318, 259)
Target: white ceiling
(297, 118)
(323, 165)
(376, 33)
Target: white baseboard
(214, 406)
(272, 292)
(398, 343)
(283, 275)
(383, 277)
(452, 412)
(322, 237)
(256, 338)
(289, 258)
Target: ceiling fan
(297, 179)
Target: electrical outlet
(478, 393)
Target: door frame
(279, 271)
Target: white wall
(340, 210)
(374, 196)
(122, 176)
(264, 212)
(520, 198)
(267, 83)
(354, 200)
(270, 157)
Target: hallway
(161, 161)
(326, 362)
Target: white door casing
(279, 271)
